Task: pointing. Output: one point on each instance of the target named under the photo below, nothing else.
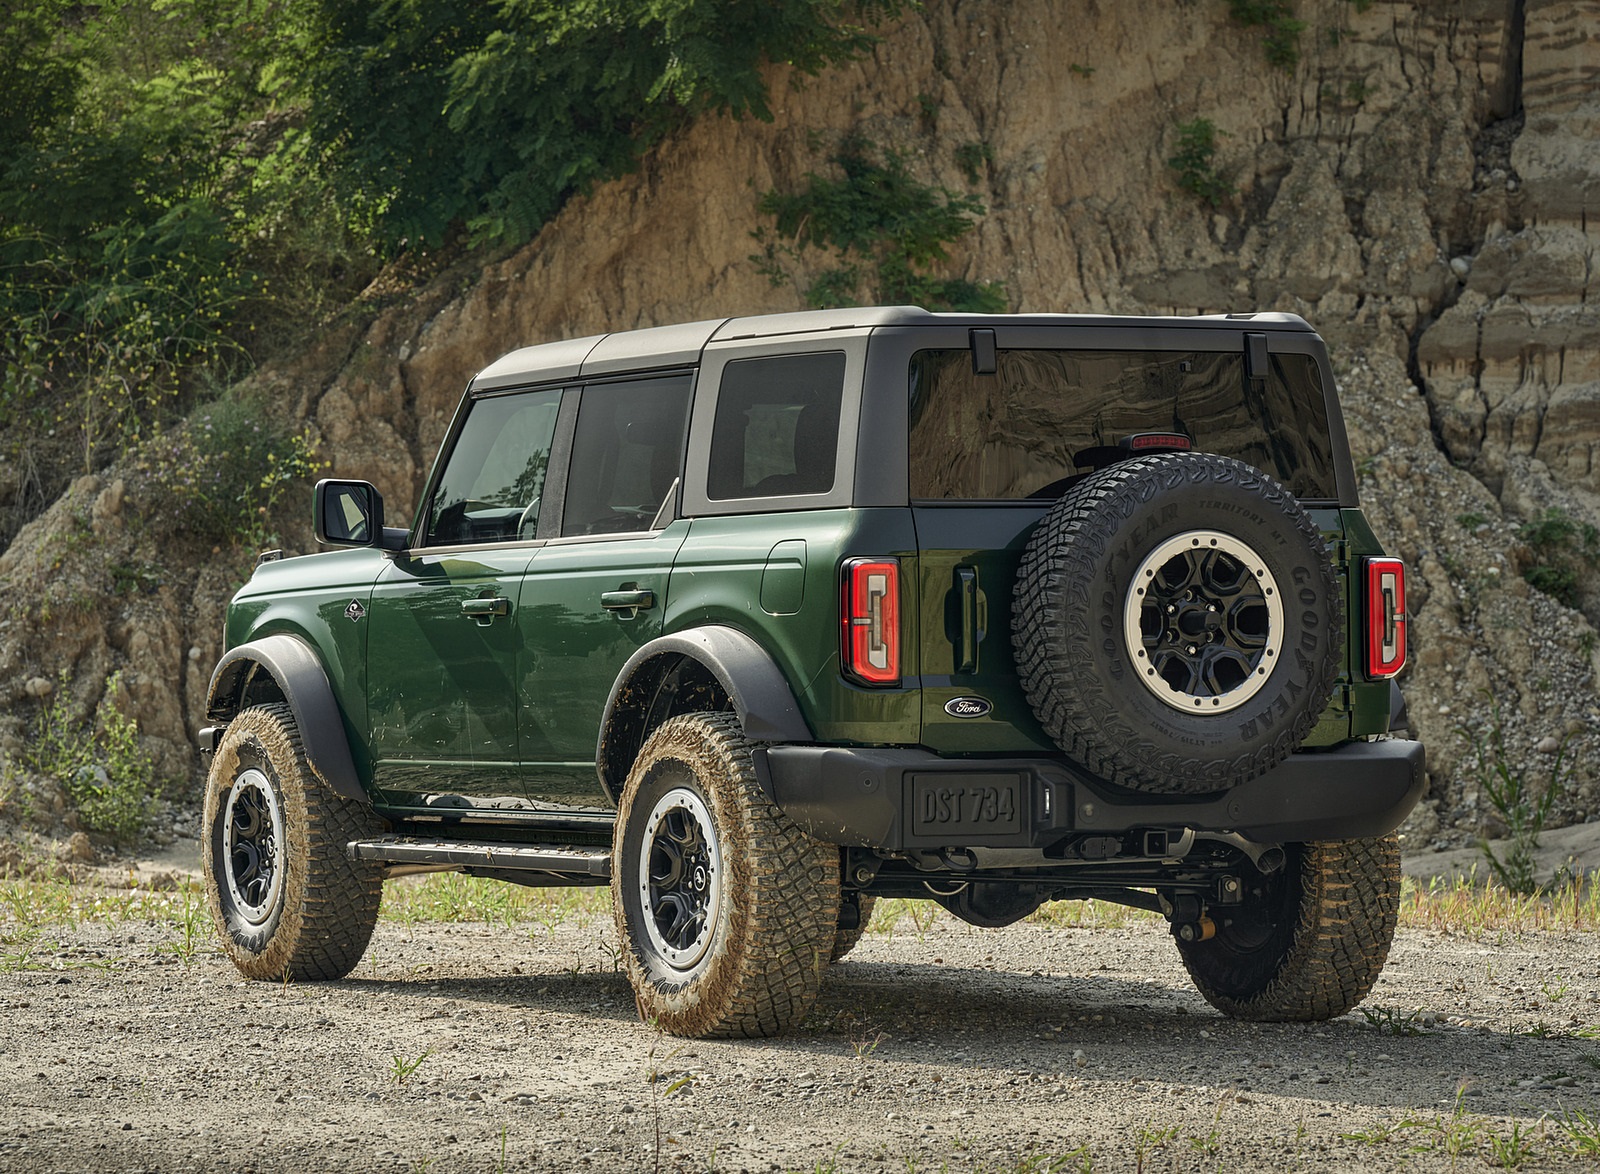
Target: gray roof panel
(654, 346)
(544, 363)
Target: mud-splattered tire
(286, 900)
(1310, 940)
(1177, 623)
(852, 924)
(727, 911)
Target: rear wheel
(1309, 940)
(728, 910)
(287, 901)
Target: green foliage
(1564, 553)
(128, 211)
(1520, 803)
(974, 160)
(432, 113)
(1195, 161)
(102, 766)
(1282, 41)
(221, 476)
(99, 340)
(883, 227)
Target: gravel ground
(470, 1047)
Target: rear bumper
(898, 799)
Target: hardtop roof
(680, 345)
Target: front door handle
(485, 609)
(632, 601)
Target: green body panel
(967, 569)
(572, 650)
(728, 566)
(307, 597)
(442, 684)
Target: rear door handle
(485, 609)
(628, 601)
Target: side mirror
(350, 513)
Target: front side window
(627, 454)
(777, 426)
(1029, 429)
(492, 484)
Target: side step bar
(411, 851)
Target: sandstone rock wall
(1420, 187)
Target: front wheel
(728, 910)
(288, 903)
(1309, 940)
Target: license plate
(965, 805)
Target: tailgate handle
(628, 601)
(967, 606)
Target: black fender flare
(294, 667)
(754, 685)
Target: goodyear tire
(1178, 625)
(287, 902)
(728, 911)
(1309, 941)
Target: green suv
(756, 620)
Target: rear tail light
(1386, 617)
(869, 619)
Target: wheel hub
(680, 878)
(1203, 619)
(253, 846)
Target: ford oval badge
(967, 707)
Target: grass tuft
(1467, 908)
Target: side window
(492, 483)
(627, 454)
(777, 426)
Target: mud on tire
(1310, 940)
(1178, 625)
(286, 900)
(728, 911)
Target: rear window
(777, 426)
(1017, 433)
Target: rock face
(1420, 187)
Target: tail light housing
(1386, 617)
(869, 620)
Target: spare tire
(1178, 625)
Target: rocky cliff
(1419, 186)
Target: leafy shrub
(1563, 552)
(100, 335)
(1282, 43)
(1197, 149)
(1517, 800)
(108, 776)
(222, 474)
(431, 113)
(883, 226)
(974, 159)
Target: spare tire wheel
(1178, 623)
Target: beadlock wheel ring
(253, 847)
(680, 878)
(1203, 621)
